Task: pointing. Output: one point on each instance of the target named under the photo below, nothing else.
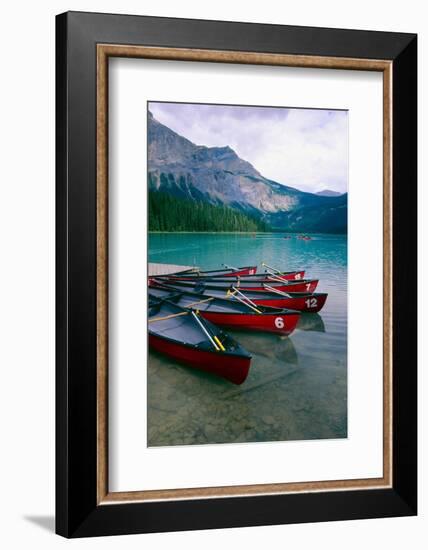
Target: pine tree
(169, 213)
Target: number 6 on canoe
(279, 322)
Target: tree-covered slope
(169, 213)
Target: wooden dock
(166, 269)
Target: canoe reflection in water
(311, 322)
(270, 346)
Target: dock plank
(167, 269)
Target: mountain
(328, 193)
(319, 217)
(216, 175)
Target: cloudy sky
(303, 148)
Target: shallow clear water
(297, 386)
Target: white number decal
(308, 286)
(279, 322)
(297, 276)
(311, 302)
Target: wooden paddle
(169, 316)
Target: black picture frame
(77, 511)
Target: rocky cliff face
(218, 176)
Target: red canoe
(228, 272)
(304, 301)
(232, 314)
(305, 285)
(187, 338)
(268, 277)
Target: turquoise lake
(297, 385)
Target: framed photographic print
(236, 274)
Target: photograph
(247, 273)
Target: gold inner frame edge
(104, 51)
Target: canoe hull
(292, 286)
(280, 324)
(309, 304)
(232, 367)
(293, 276)
(248, 277)
(307, 286)
(242, 272)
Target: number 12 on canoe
(311, 302)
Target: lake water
(297, 385)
